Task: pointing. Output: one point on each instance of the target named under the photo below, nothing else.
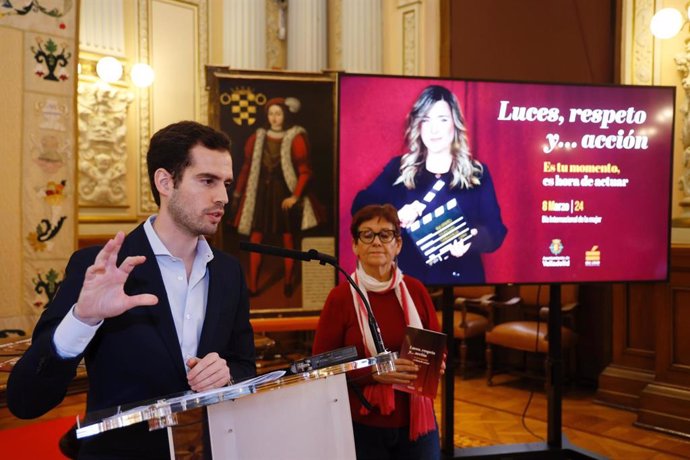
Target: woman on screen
(387, 423)
(270, 195)
(445, 198)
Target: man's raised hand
(103, 295)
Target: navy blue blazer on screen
(136, 356)
(478, 204)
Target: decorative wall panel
(46, 56)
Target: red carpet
(37, 441)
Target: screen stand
(448, 387)
(557, 445)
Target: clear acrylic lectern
(305, 416)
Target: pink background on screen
(634, 235)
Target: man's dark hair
(169, 149)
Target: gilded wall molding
(202, 30)
(146, 203)
(276, 34)
(643, 43)
(683, 65)
(410, 14)
(335, 34)
(410, 55)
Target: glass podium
(303, 415)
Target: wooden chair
(469, 317)
(528, 333)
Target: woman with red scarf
(387, 423)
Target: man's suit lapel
(146, 278)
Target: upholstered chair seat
(527, 333)
(527, 336)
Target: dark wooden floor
(492, 416)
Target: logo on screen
(556, 260)
(556, 247)
(593, 257)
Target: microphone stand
(373, 324)
(387, 365)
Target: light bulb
(666, 23)
(142, 75)
(109, 69)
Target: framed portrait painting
(282, 128)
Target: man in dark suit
(154, 313)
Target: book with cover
(426, 349)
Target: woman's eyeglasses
(385, 236)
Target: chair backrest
(535, 300)
(538, 295)
(472, 292)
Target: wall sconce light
(667, 22)
(142, 75)
(110, 70)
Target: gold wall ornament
(683, 66)
(410, 22)
(643, 44)
(102, 149)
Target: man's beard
(192, 224)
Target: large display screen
(544, 183)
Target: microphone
(309, 255)
(323, 259)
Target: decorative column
(306, 35)
(101, 27)
(683, 66)
(361, 36)
(244, 34)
